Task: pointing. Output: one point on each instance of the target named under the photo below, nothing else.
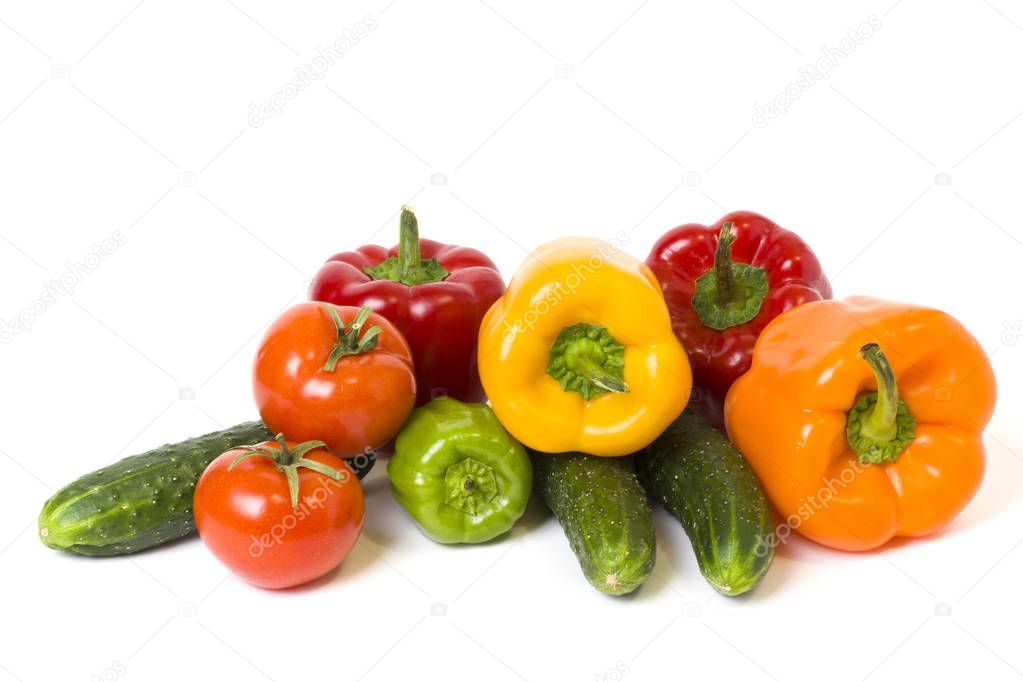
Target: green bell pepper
(458, 473)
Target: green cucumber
(701, 478)
(144, 500)
(604, 512)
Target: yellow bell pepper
(579, 354)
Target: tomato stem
(348, 340)
(288, 460)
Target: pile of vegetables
(717, 379)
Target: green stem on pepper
(408, 267)
(879, 426)
(586, 359)
(723, 276)
(729, 293)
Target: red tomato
(246, 516)
(357, 405)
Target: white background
(585, 118)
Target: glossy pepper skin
(458, 473)
(578, 355)
(863, 419)
(746, 274)
(435, 294)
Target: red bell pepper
(435, 294)
(723, 283)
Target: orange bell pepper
(863, 420)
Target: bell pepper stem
(470, 485)
(723, 265)
(408, 244)
(586, 359)
(408, 267)
(729, 293)
(597, 375)
(879, 426)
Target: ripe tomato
(278, 529)
(339, 374)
